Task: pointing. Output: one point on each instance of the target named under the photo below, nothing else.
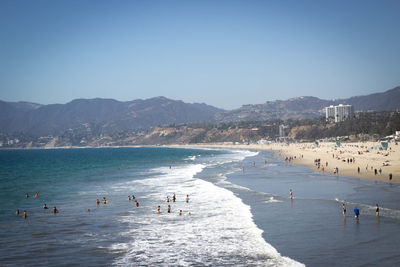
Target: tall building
(330, 113)
(282, 130)
(338, 113)
(343, 112)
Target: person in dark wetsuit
(173, 197)
(377, 210)
(169, 208)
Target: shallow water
(311, 228)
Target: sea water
(216, 227)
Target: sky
(223, 53)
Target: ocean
(232, 218)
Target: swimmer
(291, 194)
(173, 197)
(26, 195)
(104, 200)
(137, 204)
(17, 212)
(169, 208)
(158, 209)
(129, 198)
(133, 197)
(377, 210)
(45, 207)
(55, 210)
(167, 199)
(97, 202)
(180, 212)
(344, 209)
(25, 215)
(187, 198)
(88, 210)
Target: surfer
(187, 198)
(356, 213)
(377, 210)
(169, 208)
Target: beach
(364, 155)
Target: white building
(338, 113)
(282, 130)
(330, 113)
(343, 112)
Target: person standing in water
(356, 213)
(137, 204)
(17, 212)
(180, 212)
(55, 210)
(291, 194)
(173, 197)
(45, 207)
(187, 198)
(26, 195)
(169, 208)
(344, 209)
(97, 202)
(377, 210)
(158, 209)
(25, 215)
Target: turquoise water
(232, 218)
(216, 227)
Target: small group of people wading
(169, 199)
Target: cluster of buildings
(339, 113)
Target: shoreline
(304, 154)
(365, 154)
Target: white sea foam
(216, 227)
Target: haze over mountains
(110, 115)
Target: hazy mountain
(310, 107)
(107, 114)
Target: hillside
(308, 107)
(107, 115)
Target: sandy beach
(364, 155)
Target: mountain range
(110, 115)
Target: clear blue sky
(223, 53)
